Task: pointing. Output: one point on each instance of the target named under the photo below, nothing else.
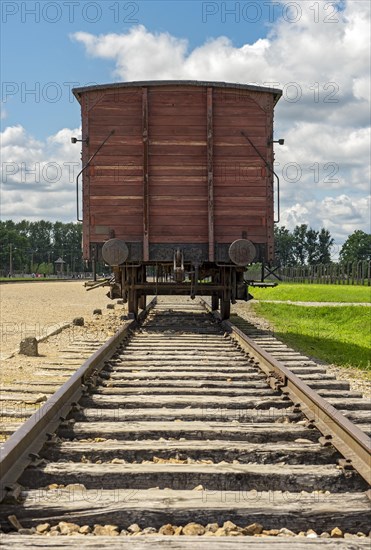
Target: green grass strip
(338, 335)
(314, 293)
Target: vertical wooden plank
(145, 175)
(85, 178)
(270, 182)
(210, 173)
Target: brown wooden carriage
(178, 186)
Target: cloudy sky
(315, 51)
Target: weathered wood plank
(338, 394)
(185, 401)
(213, 477)
(146, 203)
(218, 450)
(184, 376)
(204, 414)
(359, 417)
(188, 365)
(185, 384)
(182, 345)
(153, 390)
(229, 359)
(200, 430)
(273, 510)
(327, 384)
(237, 365)
(183, 543)
(350, 404)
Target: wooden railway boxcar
(177, 191)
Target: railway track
(182, 431)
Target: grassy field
(314, 293)
(339, 335)
(17, 279)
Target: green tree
(356, 247)
(284, 245)
(73, 250)
(302, 246)
(40, 240)
(36, 245)
(325, 242)
(59, 241)
(300, 243)
(13, 248)
(311, 246)
(67, 239)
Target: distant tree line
(306, 246)
(33, 247)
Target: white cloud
(38, 178)
(340, 214)
(137, 51)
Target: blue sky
(316, 51)
(39, 52)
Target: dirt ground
(34, 309)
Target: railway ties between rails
(181, 428)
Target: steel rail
(21, 448)
(336, 429)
